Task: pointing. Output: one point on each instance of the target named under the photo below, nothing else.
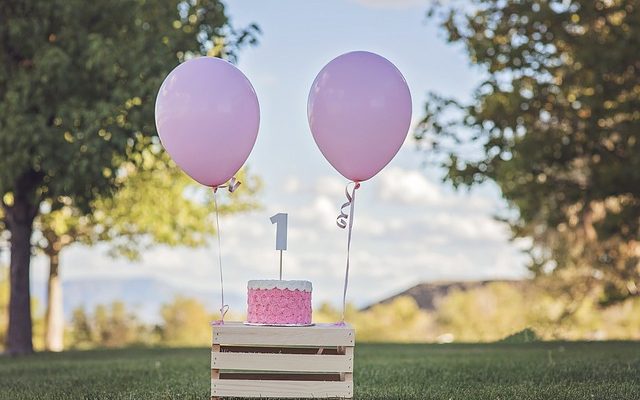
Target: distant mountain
(427, 295)
(143, 296)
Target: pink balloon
(207, 115)
(359, 112)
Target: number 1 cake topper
(281, 220)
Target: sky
(409, 227)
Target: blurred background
(511, 212)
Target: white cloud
(371, 226)
(322, 212)
(408, 187)
(291, 185)
(332, 186)
(421, 231)
(468, 227)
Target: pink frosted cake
(276, 302)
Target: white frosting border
(303, 286)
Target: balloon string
(341, 221)
(231, 186)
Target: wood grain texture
(235, 333)
(279, 349)
(283, 376)
(282, 389)
(281, 362)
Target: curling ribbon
(342, 221)
(232, 185)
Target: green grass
(607, 370)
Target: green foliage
(167, 207)
(185, 322)
(496, 312)
(88, 100)
(484, 314)
(399, 321)
(112, 326)
(82, 333)
(500, 310)
(492, 313)
(77, 87)
(160, 205)
(535, 371)
(524, 336)
(78, 81)
(555, 124)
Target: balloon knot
(232, 185)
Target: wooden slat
(317, 335)
(284, 389)
(279, 350)
(281, 362)
(280, 376)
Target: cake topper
(280, 220)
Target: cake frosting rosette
(279, 302)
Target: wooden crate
(286, 362)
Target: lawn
(603, 370)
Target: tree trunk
(54, 320)
(19, 218)
(19, 333)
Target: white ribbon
(232, 185)
(341, 221)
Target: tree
(77, 84)
(109, 326)
(184, 323)
(485, 313)
(555, 124)
(156, 205)
(409, 322)
(82, 333)
(114, 326)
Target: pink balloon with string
(359, 112)
(207, 116)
